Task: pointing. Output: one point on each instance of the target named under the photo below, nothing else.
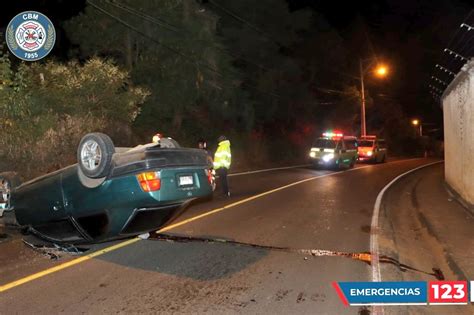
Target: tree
(48, 107)
(177, 54)
(263, 42)
(296, 55)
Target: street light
(380, 71)
(417, 123)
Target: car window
(382, 144)
(324, 144)
(366, 143)
(351, 144)
(339, 145)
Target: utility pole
(362, 108)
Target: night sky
(409, 35)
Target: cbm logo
(30, 36)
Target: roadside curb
(374, 227)
(376, 275)
(457, 197)
(416, 223)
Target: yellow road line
(211, 212)
(198, 217)
(66, 265)
(79, 260)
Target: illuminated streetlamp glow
(381, 71)
(418, 125)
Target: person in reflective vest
(222, 160)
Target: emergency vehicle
(334, 149)
(372, 149)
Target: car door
(351, 149)
(344, 154)
(382, 149)
(39, 201)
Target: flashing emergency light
(333, 134)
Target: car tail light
(149, 181)
(209, 176)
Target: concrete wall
(458, 111)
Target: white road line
(296, 166)
(374, 227)
(81, 259)
(269, 170)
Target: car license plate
(186, 180)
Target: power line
(188, 58)
(163, 23)
(258, 30)
(242, 20)
(153, 39)
(155, 20)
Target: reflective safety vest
(222, 157)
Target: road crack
(365, 257)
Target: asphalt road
(423, 226)
(324, 210)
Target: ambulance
(372, 149)
(334, 150)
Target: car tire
(384, 158)
(8, 181)
(338, 165)
(94, 155)
(352, 163)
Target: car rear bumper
(363, 158)
(109, 225)
(147, 219)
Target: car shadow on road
(196, 260)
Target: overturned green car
(110, 193)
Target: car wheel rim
(91, 155)
(4, 193)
